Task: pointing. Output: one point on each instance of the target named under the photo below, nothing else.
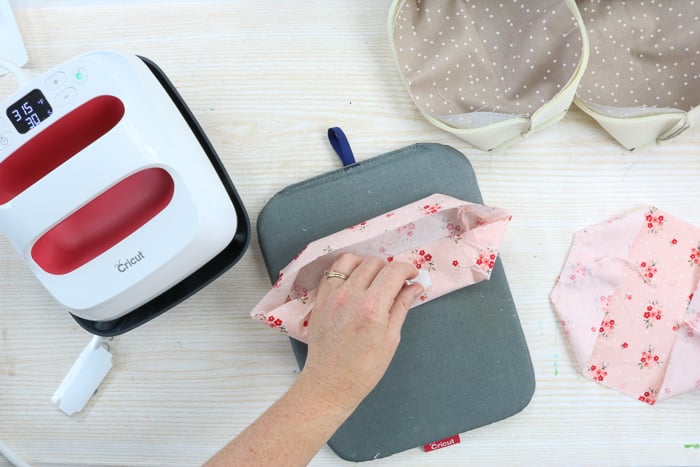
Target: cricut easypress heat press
(112, 194)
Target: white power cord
(11, 44)
(76, 389)
(22, 78)
(20, 75)
(11, 456)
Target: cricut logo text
(443, 443)
(124, 265)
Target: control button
(4, 140)
(80, 75)
(56, 81)
(66, 96)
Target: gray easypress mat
(463, 361)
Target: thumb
(402, 303)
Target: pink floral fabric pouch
(628, 302)
(455, 241)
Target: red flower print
(423, 260)
(649, 359)
(454, 232)
(487, 260)
(429, 209)
(694, 256)
(306, 323)
(455, 263)
(674, 242)
(598, 372)
(578, 271)
(275, 323)
(606, 326)
(624, 345)
(649, 396)
(648, 270)
(653, 312)
(360, 226)
(390, 259)
(300, 252)
(654, 221)
(279, 281)
(300, 293)
(407, 229)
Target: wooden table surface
(266, 78)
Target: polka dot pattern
(471, 63)
(643, 54)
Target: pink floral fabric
(629, 304)
(455, 241)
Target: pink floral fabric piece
(455, 241)
(629, 303)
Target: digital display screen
(29, 111)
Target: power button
(80, 75)
(4, 140)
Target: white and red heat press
(111, 192)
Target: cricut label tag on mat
(443, 443)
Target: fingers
(366, 272)
(345, 265)
(372, 278)
(394, 275)
(390, 281)
(402, 303)
(369, 272)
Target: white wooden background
(266, 78)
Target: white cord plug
(84, 377)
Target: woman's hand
(355, 327)
(354, 331)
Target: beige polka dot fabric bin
(642, 83)
(492, 72)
